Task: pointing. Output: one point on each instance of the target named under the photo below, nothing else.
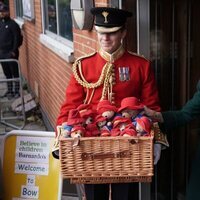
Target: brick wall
(43, 68)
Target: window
(57, 18)
(116, 3)
(18, 9)
(57, 28)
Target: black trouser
(133, 193)
(121, 191)
(11, 70)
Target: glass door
(174, 52)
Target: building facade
(165, 31)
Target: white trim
(65, 51)
(20, 22)
(59, 45)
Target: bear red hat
(131, 103)
(100, 118)
(105, 133)
(129, 132)
(86, 110)
(78, 128)
(74, 117)
(104, 106)
(145, 123)
(119, 120)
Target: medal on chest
(124, 74)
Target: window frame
(44, 10)
(18, 9)
(59, 45)
(18, 18)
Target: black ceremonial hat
(109, 19)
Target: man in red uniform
(112, 73)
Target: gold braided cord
(106, 77)
(108, 94)
(110, 91)
(82, 81)
(87, 93)
(103, 79)
(91, 96)
(106, 81)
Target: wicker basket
(96, 160)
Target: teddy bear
(77, 132)
(88, 114)
(122, 126)
(66, 130)
(107, 110)
(101, 122)
(132, 108)
(73, 124)
(143, 126)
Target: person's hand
(157, 152)
(155, 116)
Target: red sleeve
(149, 92)
(75, 96)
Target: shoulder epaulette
(138, 55)
(85, 56)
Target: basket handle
(92, 156)
(133, 141)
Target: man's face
(110, 42)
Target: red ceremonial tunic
(140, 83)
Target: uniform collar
(112, 57)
